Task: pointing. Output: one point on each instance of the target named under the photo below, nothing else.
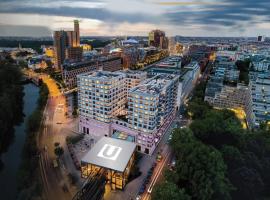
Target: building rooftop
(154, 85)
(110, 153)
(102, 74)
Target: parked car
(159, 157)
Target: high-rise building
(60, 41)
(67, 45)
(77, 33)
(261, 38)
(158, 39)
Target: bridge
(32, 76)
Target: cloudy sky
(136, 17)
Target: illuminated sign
(109, 152)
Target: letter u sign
(109, 152)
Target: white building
(260, 97)
(125, 106)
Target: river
(12, 158)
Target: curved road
(53, 119)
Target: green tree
(200, 168)
(218, 128)
(168, 190)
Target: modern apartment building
(72, 69)
(126, 105)
(222, 94)
(110, 63)
(260, 98)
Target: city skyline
(119, 17)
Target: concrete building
(158, 39)
(260, 98)
(74, 53)
(110, 63)
(60, 38)
(221, 93)
(72, 69)
(141, 114)
(170, 65)
(67, 45)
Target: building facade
(72, 69)
(67, 45)
(110, 106)
(158, 39)
(260, 98)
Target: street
(54, 179)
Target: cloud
(208, 17)
(20, 30)
(228, 13)
(83, 9)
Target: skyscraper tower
(77, 33)
(60, 43)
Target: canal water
(12, 158)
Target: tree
(218, 128)
(200, 168)
(169, 191)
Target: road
(166, 154)
(53, 120)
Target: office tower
(76, 33)
(158, 39)
(60, 41)
(71, 39)
(67, 46)
(261, 38)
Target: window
(146, 151)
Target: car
(159, 157)
(138, 197)
(142, 188)
(170, 137)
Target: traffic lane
(158, 172)
(162, 146)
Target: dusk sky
(136, 17)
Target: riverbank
(13, 156)
(29, 184)
(11, 102)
